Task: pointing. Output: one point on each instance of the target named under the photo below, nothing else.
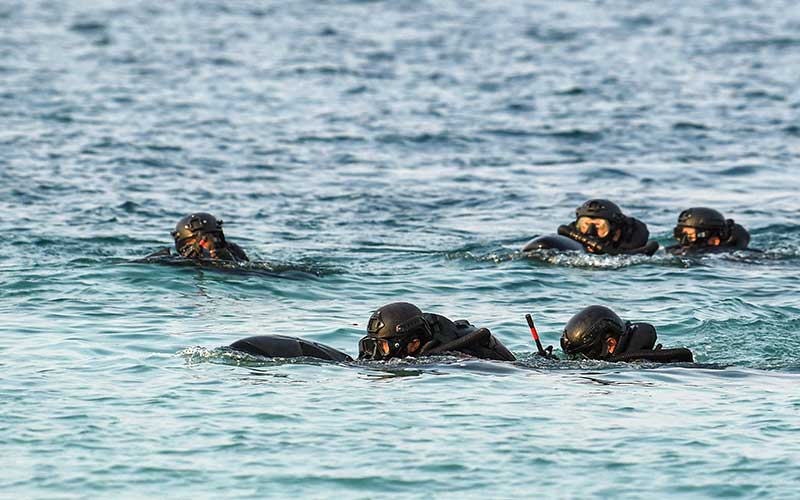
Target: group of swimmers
(400, 329)
(600, 227)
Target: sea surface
(366, 152)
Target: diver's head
(593, 333)
(599, 218)
(701, 226)
(200, 235)
(394, 331)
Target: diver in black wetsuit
(401, 329)
(597, 332)
(199, 236)
(602, 228)
(702, 229)
(395, 330)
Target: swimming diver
(701, 230)
(199, 236)
(602, 228)
(599, 227)
(396, 330)
(596, 332)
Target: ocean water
(365, 152)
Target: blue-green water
(367, 152)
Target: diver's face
(601, 226)
(688, 234)
(203, 246)
(384, 349)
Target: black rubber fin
(280, 346)
(552, 242)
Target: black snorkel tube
(545, 353)
(587, 241)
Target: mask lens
(593, 227)
(583, 224)
(379, 348)
(589, 349)
(385, 347)
(368, 348)
(687, 235)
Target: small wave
(277, 269)
(90, 27)
(327, 70)
(336, 138)
(737, 46)
(607, 173)
(792, 130)
(591, 370)
(164, 148)
(688, 126)
(585, 260)
(520, 107)
(638, 21)
(572, 91)
(508, 132)
(566, 258)
(764, 94)
(227, 356)
(398, 367)
(427, 138)
(766, 346)
(544, 34)
(576, 135)
(740, 170)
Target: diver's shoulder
(238, 252)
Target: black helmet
(391, 328)
(194, 227)
(600, 209)
(587, 331)
(707, 221)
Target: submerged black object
(200, 235)
(552, 242)
(280, 346)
